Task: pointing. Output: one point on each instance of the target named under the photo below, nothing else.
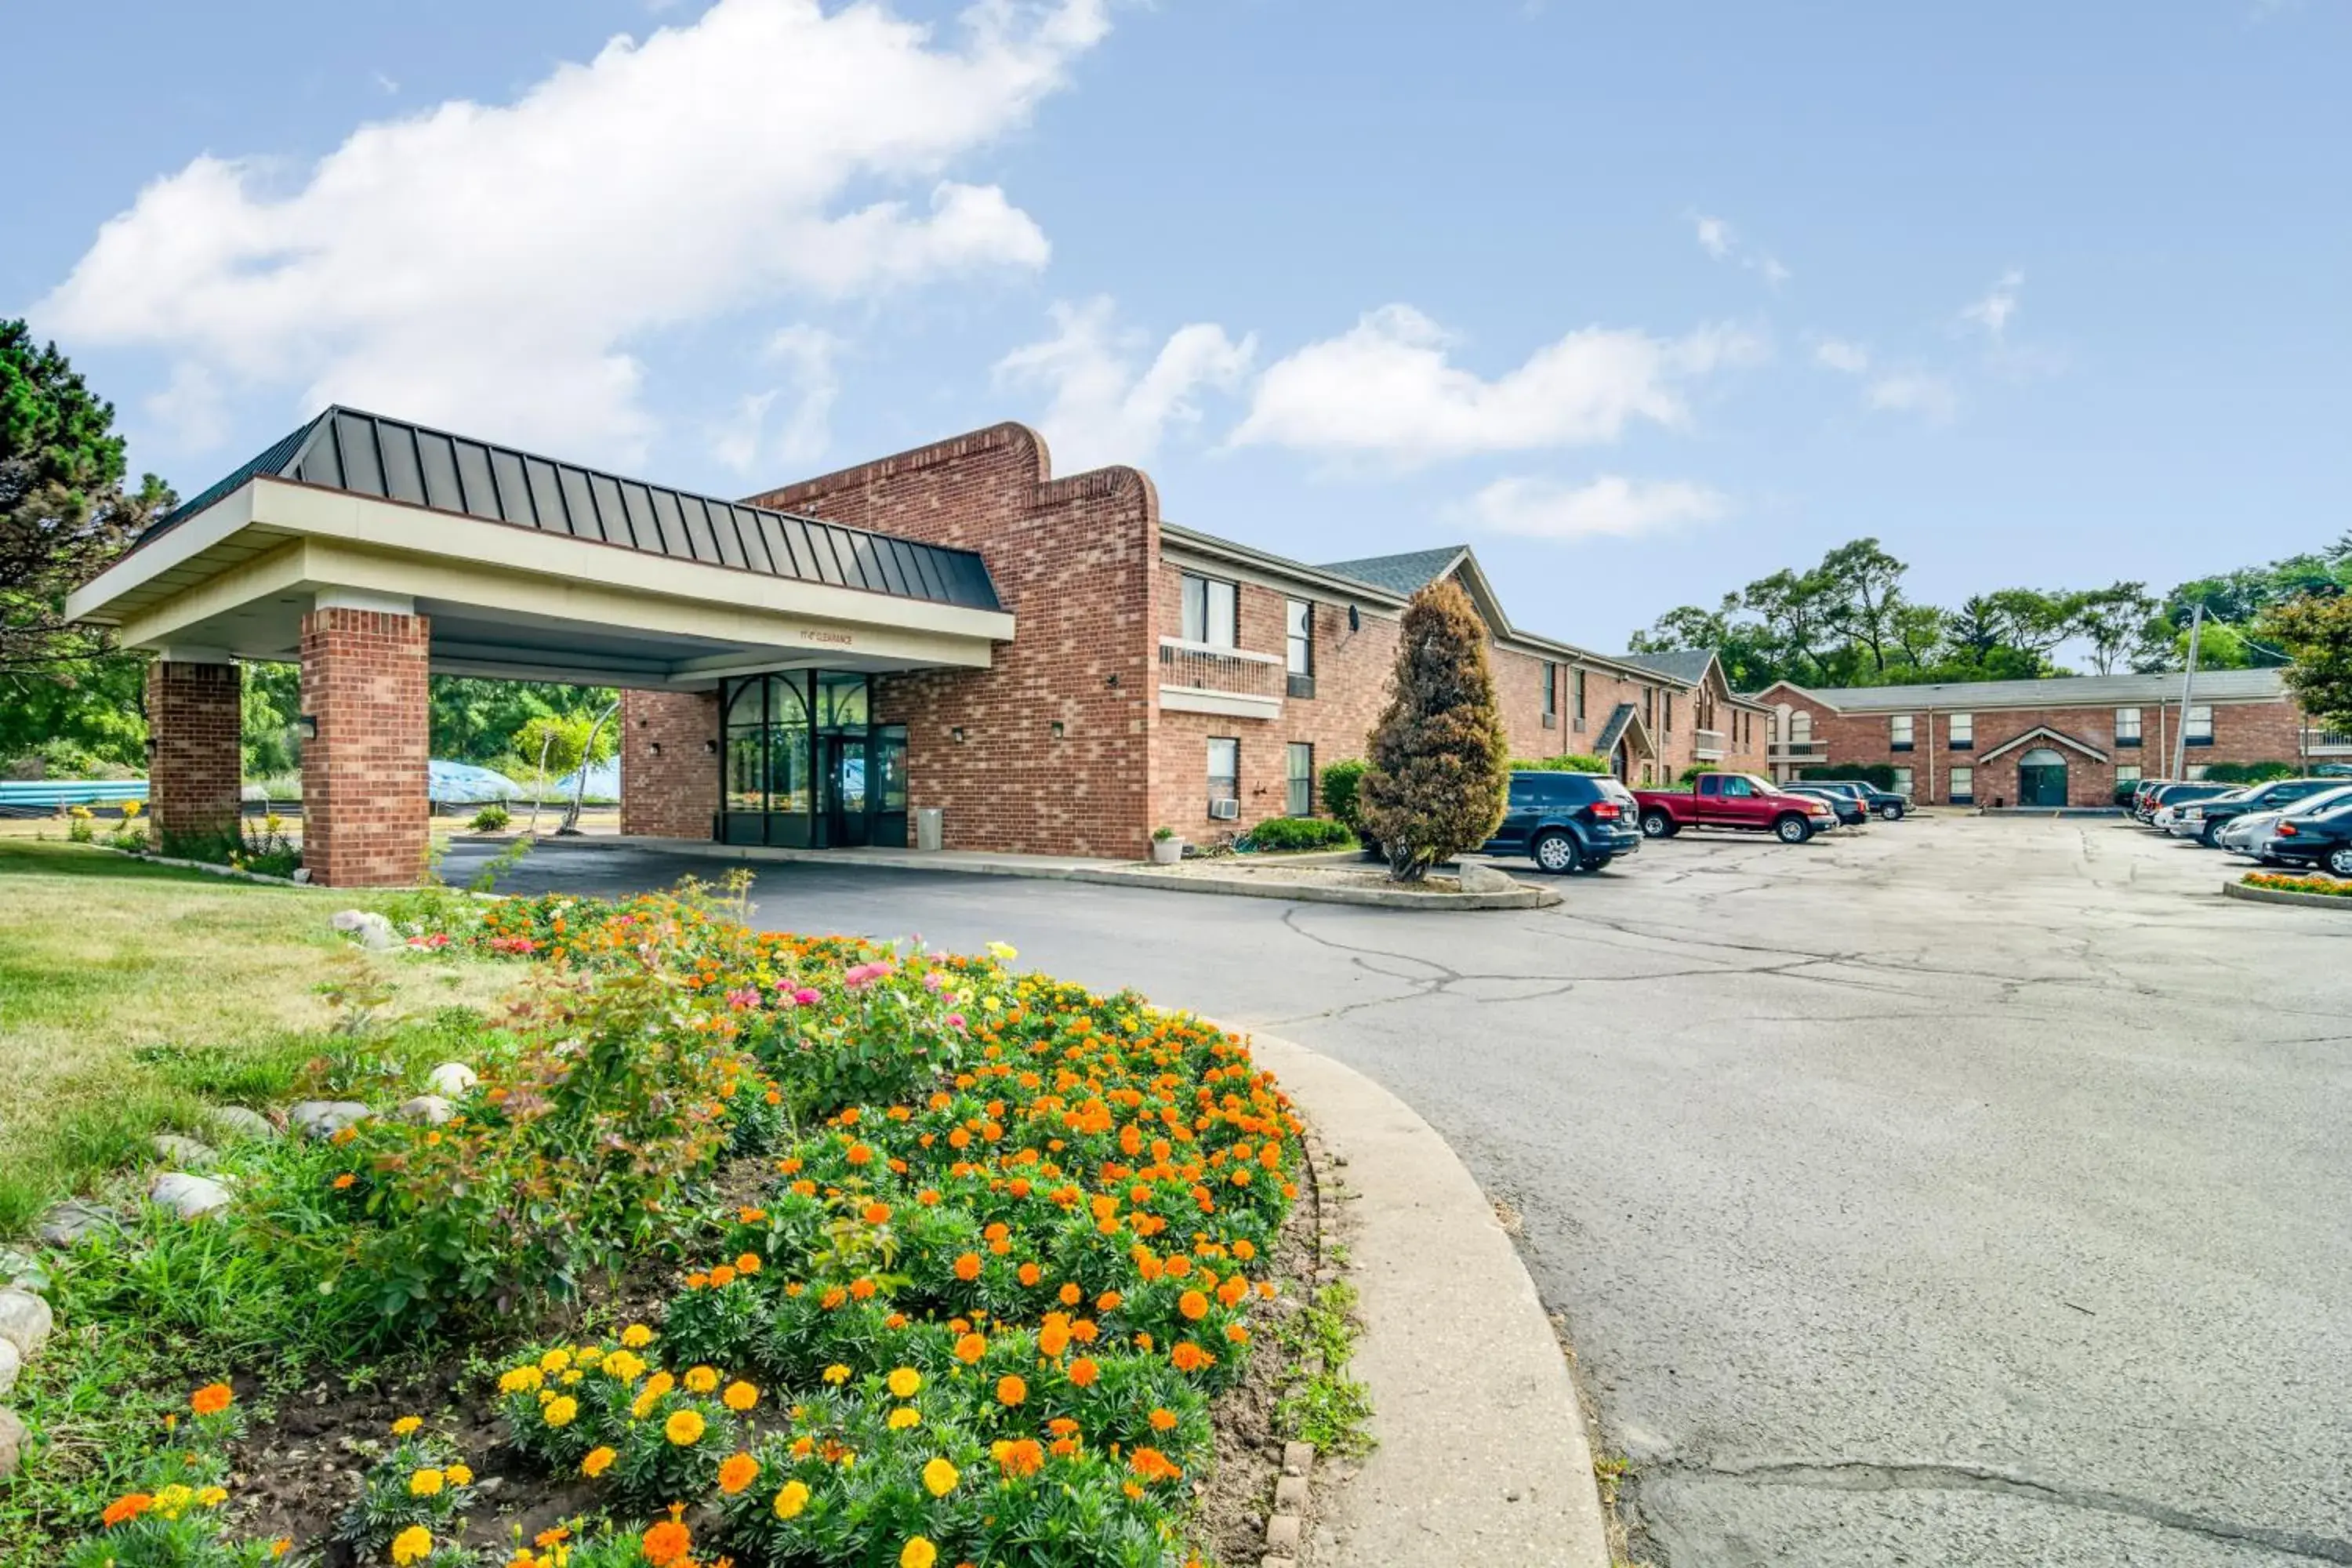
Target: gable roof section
(1403, 576)
(2045, 733)
(1623, 718)
(1687, 664)
(370, 455)
(2056, 691)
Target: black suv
(1852, 812)
(1568, 822)
(1882, 804)
(2280, 794)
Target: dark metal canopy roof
(369, 455)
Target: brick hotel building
(1043, 659)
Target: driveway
(1961, 1192)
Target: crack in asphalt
(1866, 1476)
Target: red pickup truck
(1733, 800)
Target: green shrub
(1341, 783)
(1574, 762)
(491, 818)
(1437, 783)
(1878, 776)
(2249, 772)
(1298, 833)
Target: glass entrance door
(847, 780)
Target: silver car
(2252, 834)
(2188, 821)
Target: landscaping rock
(1477, 876)
(190, 1197)
(236, 1123)
(451, 1079)
(301, 874)
(70, 1221)
(12, 1443)
(183, 1152)
(25, 1321)
(429, 1108)
(321, 1118)
(12, 1362)
(373, 930)
(21, 1271)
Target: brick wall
(2242, 732)
(671, 792)
(194, 718)
(363, 775)
(1073, 561)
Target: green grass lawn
(133, 995)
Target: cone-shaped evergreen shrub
(1439, 762)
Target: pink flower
(743, 997)
(438, 938)
(932, 980)
(955, 1020)
(805, 997)
(865, 975)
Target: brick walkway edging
(2234, 890)
(1481, 1455)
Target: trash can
(930, 823)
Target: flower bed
(2282, 882)
(927, 1261)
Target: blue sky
(1641, 302)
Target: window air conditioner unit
(1225, 810)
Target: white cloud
(1840, 355)
(1609, 505)
(1720, 240)
(191, 409)
(1103, 410)
(1915, 392)
(1386, 388)
(1714, 236)
(744, 440)
(1992, 313)
(490, 266)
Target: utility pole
(2188, 687)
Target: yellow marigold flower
(792, 1498)
(212, 1497)
(701, 1379)
(518, 1381)
(413, 1545)
(905, 1381)
(636, 1336)
(684, 1427)
(425, 1483)
(917, 1553)
(739, 1395)
(560, 1410)
(906, 1415)
(939, 1478)
(406, 1425)
(555, 1361)
(459, 1475)
(173, 1500)
(599, 1460)
(837, 1374)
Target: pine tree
(1440, 763)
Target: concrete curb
(2282, 895)
(1113, 874)
(1481, 1456)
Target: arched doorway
(2042, 778)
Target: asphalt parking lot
(1961, 1191)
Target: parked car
(2322, 838)
(1568, 822)
(2203, 820)
(2249, 833)
(2171, 796)
(1850, 810)
(2141, 801)
(1884, 804)
(1741, 801)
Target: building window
(1963, 787)
(1551, 695)
(1962, 732)
(1648, 707)
(1225, 768)
(1300, 800)
(2127, 726)
(1298, 645)
(1801, 728)
(1211, 611)
(1670, 712)
(1903, 780)
(2198, 728)
(1898, 732)
(2128, 773)
(1576, 693)
(2196, 771)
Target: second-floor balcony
(1804, 750)
(1203, 677)
(1708, 745)
(2326, 744)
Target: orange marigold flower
(1237, 1333)
(740, 1396)
(736, 1472)
(666, 1543)
(1029, 1274)
(1084, 1371)
(748, 1263)
(862, 1290)
(1011, 1390)
(600, 1459)
(211, 1399)
(859, 1154)
(1190, 1357)
(722, 1276)
(878, 1213)
(1163, 1420)
(128, 1506)
(345, 1181)
(1018, 1456)
(966, 1267)
(971, 1348)
(1153, 1466)
(1069, 1293)
(1193, 1305)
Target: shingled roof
(1405, 574)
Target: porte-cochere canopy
(531, 567)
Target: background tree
(2317, 631)
(1860, 588)
(1438, 761)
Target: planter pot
(1167, 851)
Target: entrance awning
(530, 568)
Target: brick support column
(669, 772)
(194, 719)
(364, 777)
